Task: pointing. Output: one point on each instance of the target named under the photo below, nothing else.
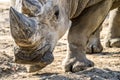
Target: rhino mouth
(38, 56)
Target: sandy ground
(107, 63)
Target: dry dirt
(107, 63)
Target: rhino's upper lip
(29, 56)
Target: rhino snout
(40, 56)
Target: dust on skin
(107, 63)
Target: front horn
(22, 27)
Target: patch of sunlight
(4, 0)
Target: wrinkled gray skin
(46, 21)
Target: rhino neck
(93, 2)
(77, 6)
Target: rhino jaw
(22, 27)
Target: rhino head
(36, 36)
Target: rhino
(37, 25)
(113, 34)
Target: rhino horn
(22, 27)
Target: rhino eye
(56, 11)
(57, 14)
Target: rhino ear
(21, 26)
